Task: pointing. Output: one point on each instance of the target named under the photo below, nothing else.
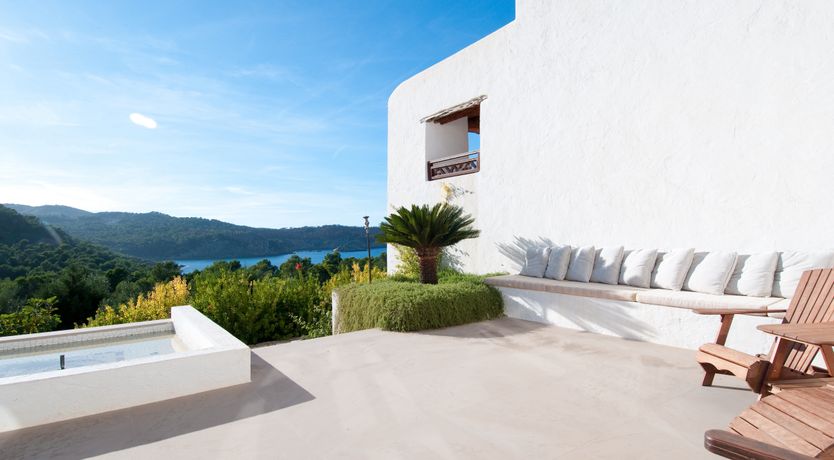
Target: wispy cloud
(143, 121)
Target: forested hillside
(40, 265)
(159, 236)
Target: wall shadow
(84, 437)
(586, 313)
(517, 249)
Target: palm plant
(427, 230)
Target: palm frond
(427, 226)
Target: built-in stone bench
(654, 315)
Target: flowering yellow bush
(356, 274)
(153, 305)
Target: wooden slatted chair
(813, 302)
(795, 424)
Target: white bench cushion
(791, 265)
(685, 299)
(607, 265)
(601, 291)
(671, 268)
(581, 264)
(535, 262)
(557, 263)
(753, 275)
(710, 272)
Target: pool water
(100, 353)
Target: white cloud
(142, 120)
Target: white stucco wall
(663, 123)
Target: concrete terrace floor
(496, 389)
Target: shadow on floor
(501, 327)
(270, 390)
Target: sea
(190, 265)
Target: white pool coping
(214, 359)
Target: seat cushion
(607, 264)
(557, 264)
(671, 268)
(791, 265)
(535, 262)
(637, 267)
(753, 275)
(581, 264)
(684, 299)
(710, 272)
(601, 291)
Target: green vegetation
(39, 262)
(157, 236)
(410, 306)
(427, 230)
(86, 283)
(254, 304)
(38, 315)
(49, 280)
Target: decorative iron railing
(455, 165)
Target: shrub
(246, 309)
(408, 306)
(38, 315)
(153, 305)
(258, 310)
(318, 323)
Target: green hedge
(408, 306)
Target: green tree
(261, 270)
(38, 315)
(332, 262)
(295, 266)
(79, 294)
(162, 272)
(428, 230)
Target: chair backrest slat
(813, 302)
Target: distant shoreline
(190, 265)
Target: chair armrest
(736, 311)
(731, 445)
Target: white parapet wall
(213, 359)
(672, 326)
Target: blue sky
(269, 114)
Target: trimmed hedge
(407, 306)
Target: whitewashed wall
(661, 123)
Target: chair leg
(708, 377)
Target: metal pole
(368, 239)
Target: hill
(158, 236)
(39, 262)
(15, 227)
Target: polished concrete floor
(498, 389)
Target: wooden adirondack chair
(813, 302)
(795, 424)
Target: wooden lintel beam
(473, 111)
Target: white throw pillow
(637, 267)
(557, 264)
(710, 272)
(535, 262)
(753, 275)
(607, 262)
(791, 265)
(671, 269)
(581, 264)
